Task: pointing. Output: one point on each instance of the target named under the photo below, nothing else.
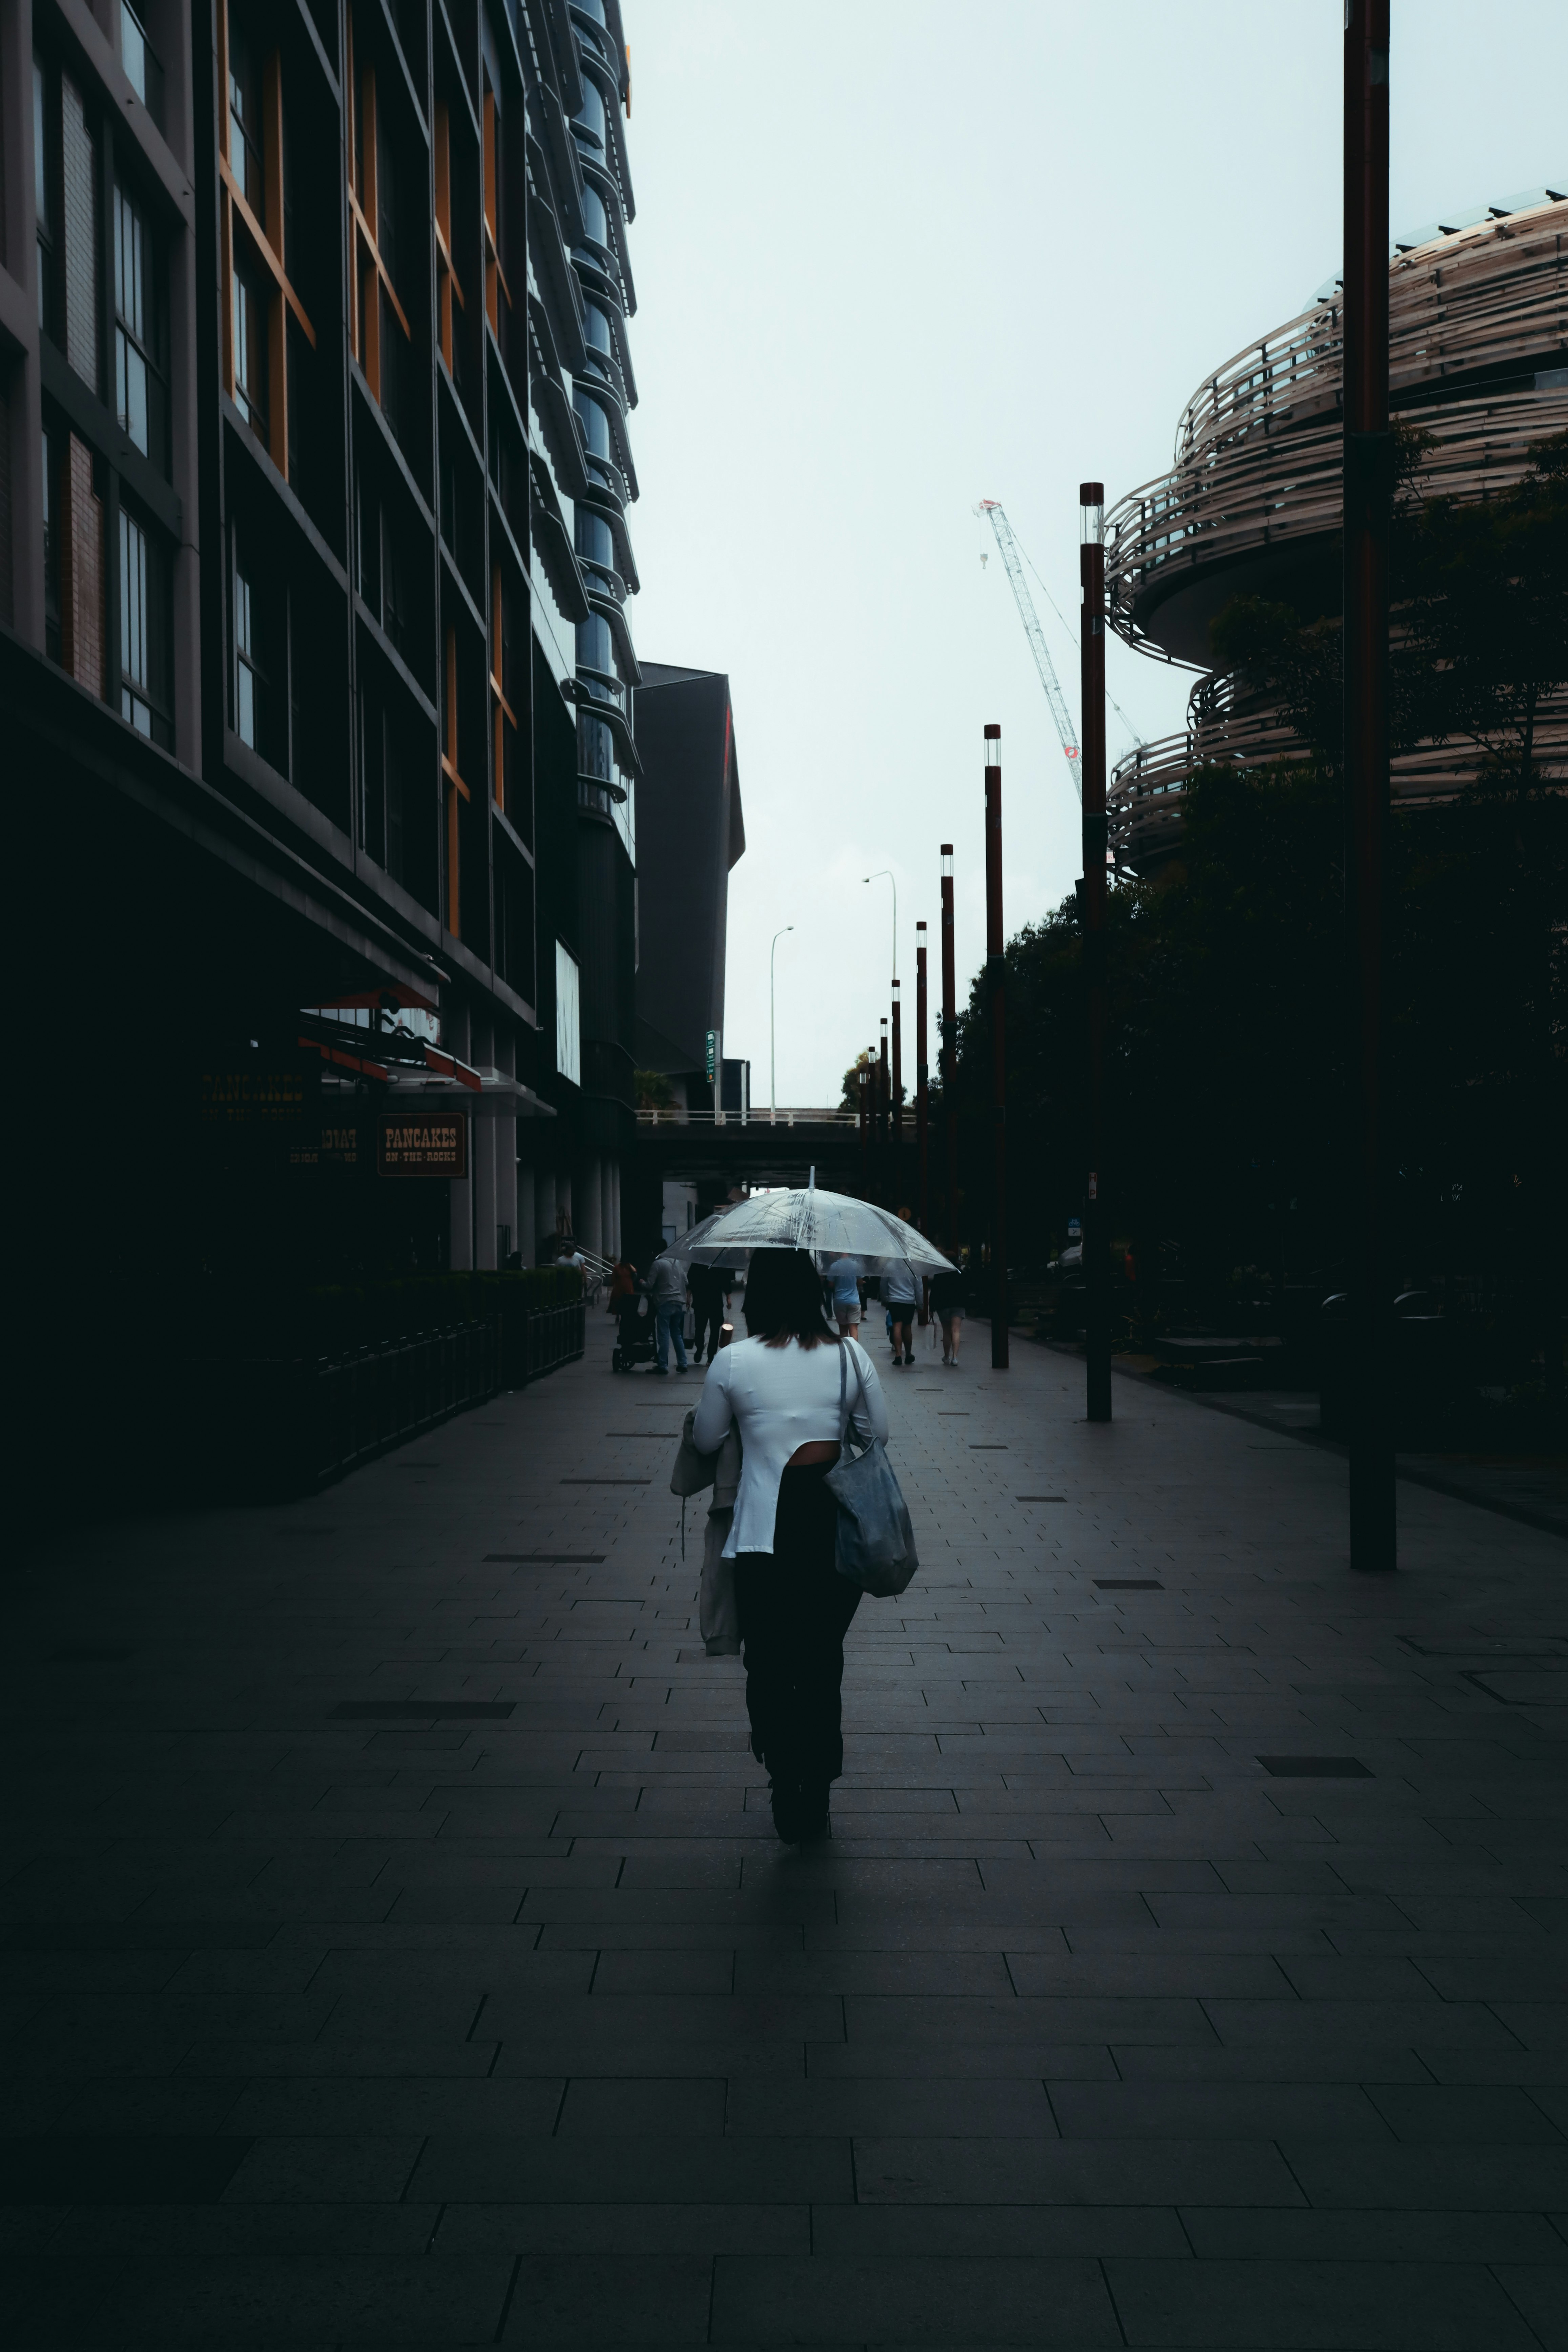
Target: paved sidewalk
(397, 1951)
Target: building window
(134, 666)
(244, 159)
(596, 541)
(596, 424)
(596, 750)
(261, 655)
(568, 1018)
(263, 353)
(143, 631)
(378, 323)
(248, 684)
(143, 71)
(590, 115)
(137, 386)
(593, 649)
(595, 218)
(596, 330)
(250, 353)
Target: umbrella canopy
(830, 1224)
(692, 1244)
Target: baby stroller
(634, 1335)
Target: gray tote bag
(876, 1544)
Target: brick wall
(81, 583)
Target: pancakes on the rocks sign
(423, 1143)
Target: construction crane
(1008, 546)
(1011, 551)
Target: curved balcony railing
(594, 33)
(607, 480)
(1144, 796)
(602, 373)
(1259, 448)
(1472, 299)
(600, 580)
(607, 695)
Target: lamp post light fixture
(772, 1031)
(885, 874)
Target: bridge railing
(795, 1115)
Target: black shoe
(661, 1370)
(786, 1811)
(812, 1821)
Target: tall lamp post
(995, 972)
(898, 1088)
(922, 1078)
(949, 1050)
(1368, 480)
(885, 874)
(1092, 656)
(772, 1031)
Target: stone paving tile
(394, 1949)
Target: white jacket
(780, 1398)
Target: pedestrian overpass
(716, 1151)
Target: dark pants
(794, 1611)
(709, 1320)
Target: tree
(1479, 641)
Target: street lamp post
(885, 874)
(1092, 656)
(1368, 470)
(897, 1088)
(949, 1050)
(995, 981)
(772, 1032)
(922, 1077)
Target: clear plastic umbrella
(830, 1224)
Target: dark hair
(784, 1299)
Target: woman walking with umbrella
(787, 1387)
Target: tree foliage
(1479, 595)
(1225, 1099)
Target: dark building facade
(693, 831)
(315, 675)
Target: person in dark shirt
(708, 1286)
(947, 1301)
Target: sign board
(712, 1047)
(1073, 1226)
(326, 1147)
(423, 1143)
(252, 1098)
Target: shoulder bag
(876, 1544)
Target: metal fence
(290, 1425)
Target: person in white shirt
(789, 1387)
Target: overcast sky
(894, 258)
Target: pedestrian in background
(898, 1293)
(708, 1286)
(667, 1289)
(844, 1284)
(947, 1301)
(791, 1387)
